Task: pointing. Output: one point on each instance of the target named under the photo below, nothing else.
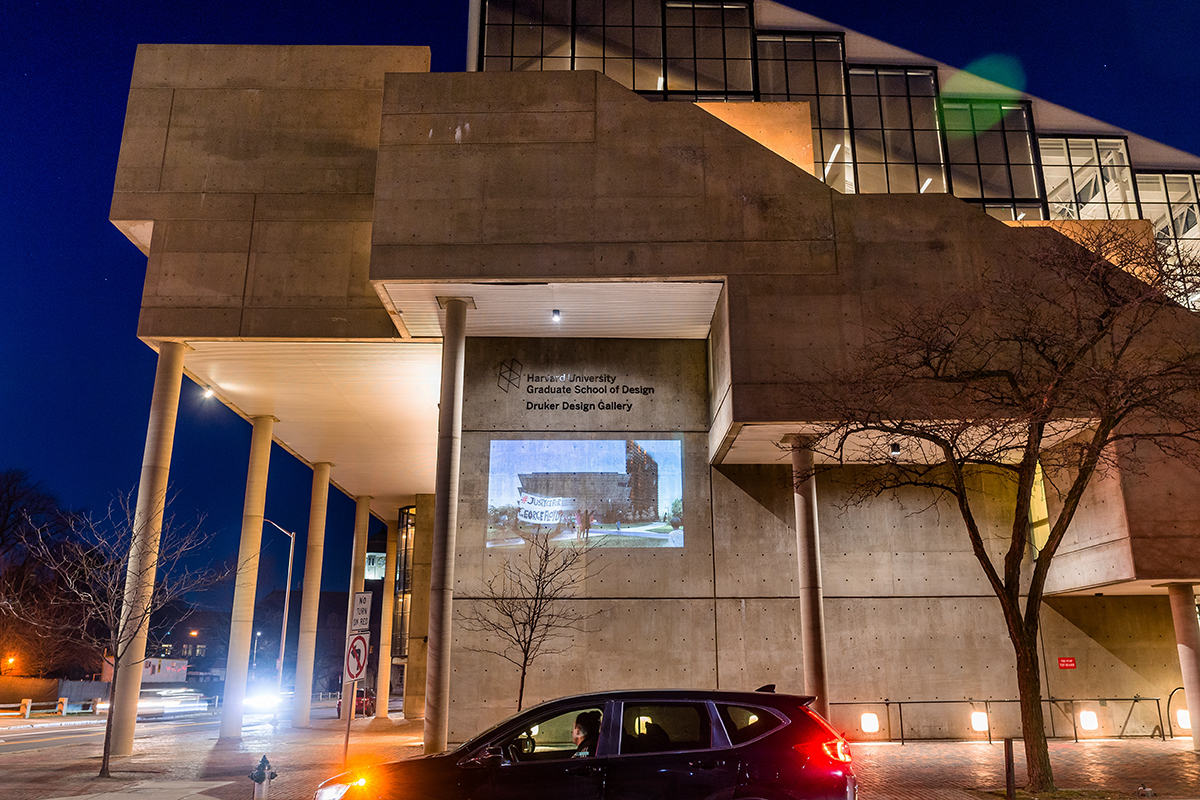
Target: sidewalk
(190, 764)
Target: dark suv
(674, 744)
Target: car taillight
(833, 749)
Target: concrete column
(383, 681)
(445, 522)
(1187, 639)
(812, 603)
(306, 646)
(358, 574)
(241, 626)
(143, 550)
(418, 611)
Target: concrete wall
(247, 174)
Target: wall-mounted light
(1088, 720)
(869, 723)
(1183, 718)
(555, 315)
(895, 449)
(979, 721)
(208, 391)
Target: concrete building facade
(326, 228)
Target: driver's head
(587, 726)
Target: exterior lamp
(555, 315)
(979, 721)
(208, 391)
(895, 449)
(193, 633)
(869, 722)
(1181, 716)
(1088, 721)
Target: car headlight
(335, 791)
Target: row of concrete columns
(148, 524)
(143, 559)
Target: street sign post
(358, 644)
(360, 615)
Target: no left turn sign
(357, 647)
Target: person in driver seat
(586, 734)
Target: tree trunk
(521, 691)
(108, 724)
(1033, 725)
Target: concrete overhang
(370, 408)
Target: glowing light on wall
(1183, 718)
(1088, 721)
(869, 723)
(979, 721)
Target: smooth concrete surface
(383, 677)
(241, 625)
(143, 550)
(808, 550)
(314, 555)
(246, 175)
(418, 611)
(1187, 638)
(445, 527)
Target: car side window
(548, 739)
(664, 727)
(744, 723)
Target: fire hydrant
(262, 777)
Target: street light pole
(287, 594)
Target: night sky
(75, 382)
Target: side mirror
(490, 757)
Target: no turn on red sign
(357, 647)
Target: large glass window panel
(1024, 180)
(932, 178)
(990, 146)
(924, 113)
(802, 77)
(709, 43)
(899, 146)
(966, 180)
(872, 178)
(902, 178)
(928, 147)
(831, 79)
(895, 113)
(710, 74)
(866, 111)
(995, 180)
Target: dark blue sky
(75, 381)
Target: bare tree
(75, 590)
(1059, 366)
(527, 608)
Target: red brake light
(836, 749)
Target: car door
(669, 750)
(536, 761)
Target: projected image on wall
(612, 492)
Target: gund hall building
(564, 292)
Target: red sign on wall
(1066, 662)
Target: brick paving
(190, 764)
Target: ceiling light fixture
(555, 315)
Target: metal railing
(1050, 704)
(59, 708)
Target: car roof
(717, 695)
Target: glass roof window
(897, 141)
(1087, 178)
(811, 67)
